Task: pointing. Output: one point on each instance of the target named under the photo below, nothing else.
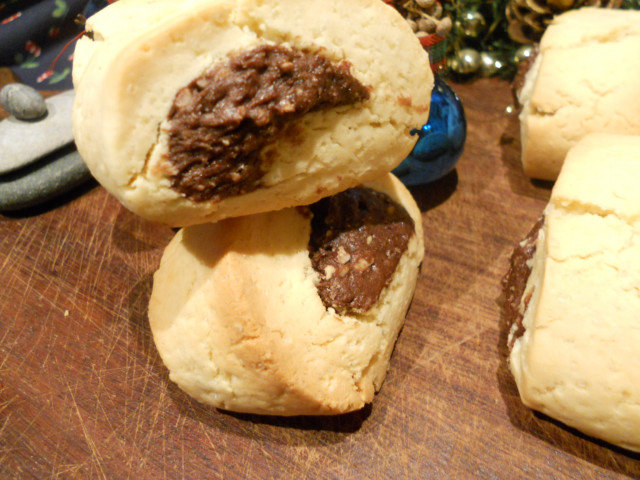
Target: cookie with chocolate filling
(293, 312)
(190, 112)
(573, 295)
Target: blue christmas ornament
(441, 139)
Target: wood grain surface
(84, 394)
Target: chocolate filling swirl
(220, 122)
(357, 240)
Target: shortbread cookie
(586, 79)
(198, 110)
(574, 293)
(294, 312)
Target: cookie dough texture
(577, 360)
(586, 79)
(138, 54)
(238, 321)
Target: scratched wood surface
(83, 393)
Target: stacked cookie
(572, 290)
(268, 128)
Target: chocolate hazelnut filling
(220, 122)
(357, 239)
(515, 281)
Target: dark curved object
(441, 139)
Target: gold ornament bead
(523, 53)
(490, 64)
(466, 61)
(471, 23)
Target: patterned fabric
(37, 39)
(436, 47)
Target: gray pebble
(22, 143)
(51, 176)
(22, 101)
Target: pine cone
(426, 17)
(528, 19)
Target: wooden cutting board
(83, 393)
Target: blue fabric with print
(34, 33)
